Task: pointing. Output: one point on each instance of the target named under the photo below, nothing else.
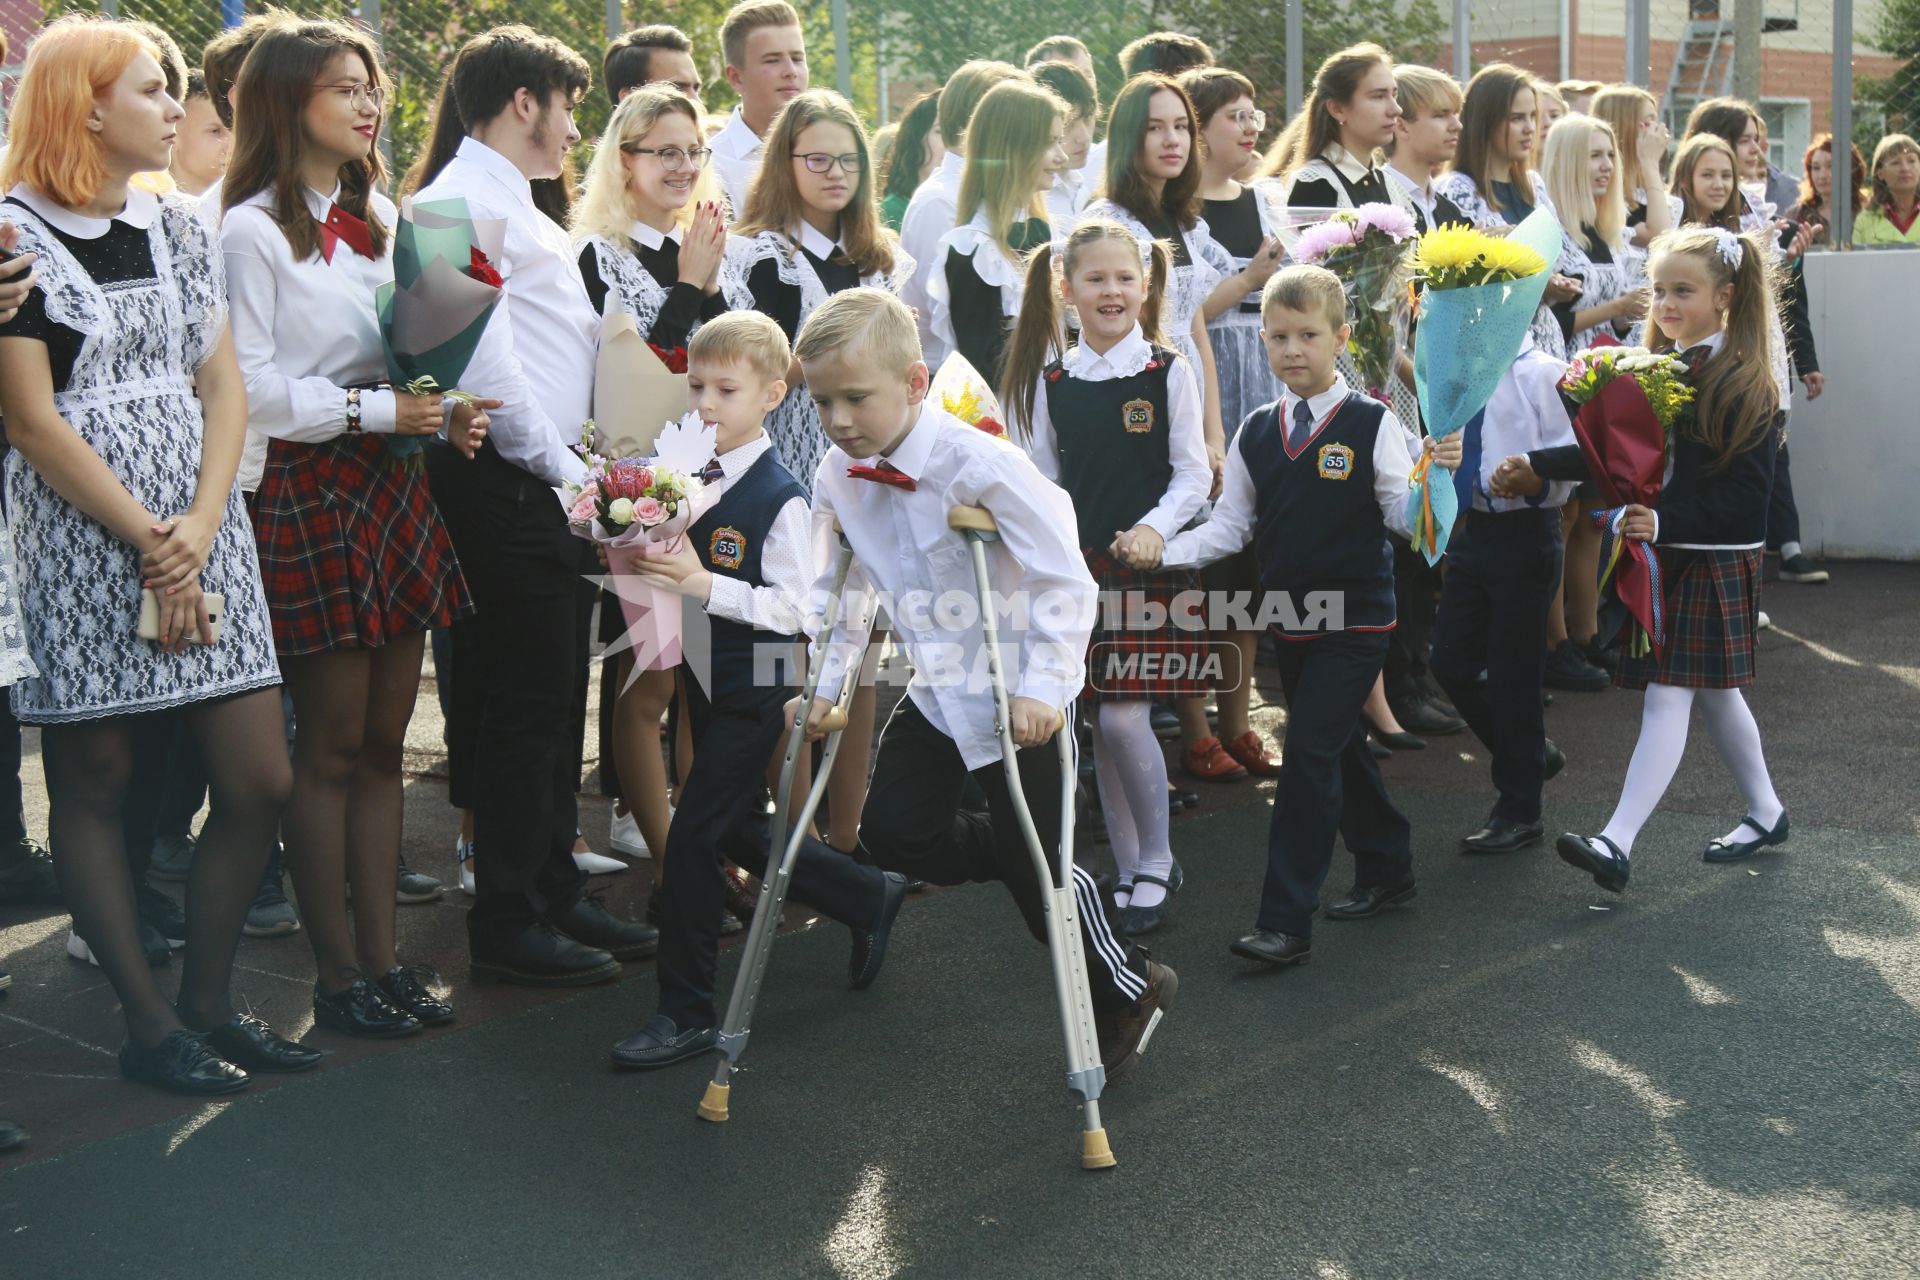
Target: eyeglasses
(823, 162)
(1258, 119)
(673, 158)
(359, 95)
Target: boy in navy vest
(1315, 481)
(748, 559)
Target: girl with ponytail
(1117, 422)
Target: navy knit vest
(1317, 523)
(729, 538)
(1114, 445)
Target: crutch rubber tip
(714, 1105)
(1094, 1151)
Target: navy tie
(1302, 424)
(712, 473)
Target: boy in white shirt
(766, 55)
(898, 465)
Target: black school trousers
(1329, 782)
(913, 824)
(1501, 571)
(517, 658)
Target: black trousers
(718, 820)
(1783, 516)
(1329, 782)
(517, 658)
(13, 802)
(1416, 592)
(913, 824)
(1501, 572)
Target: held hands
(178, 551)
(468, 429)
(16, 275)
(183, 611)
(676, 567)
(1033, 721)
(703, 246)
(1140, 547)
(1515, 478)
(1639, 524)
(1448, 451)
(417, 415)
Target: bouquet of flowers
(961, 391)
(1480, 295)
(1626, 402)
(442, 295)
(1369, 249)
(634, 507)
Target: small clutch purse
(149, 628)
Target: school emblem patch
(1137, 416)
(1336, 462)
(727, 548)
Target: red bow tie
(885, 473)
(339, 226)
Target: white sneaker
(1764, 623)
(77, 948)
(598, 864)
(624, 837)
(463, 857)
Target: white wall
(1856, 450)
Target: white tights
(1663, 738)
(1132, 774)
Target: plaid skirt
(1711, 602)
(352, 551)
(1126, 663)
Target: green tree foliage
(1899, 94)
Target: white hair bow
(1732, 251)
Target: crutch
(1086, 1077)
(735, 1031)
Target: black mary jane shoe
(362, 1011)
(409, 988)
(182, 1063)
(1372, 900)
(1734, 850)
(252, 1045)
(1598, 856)
(1270, 946)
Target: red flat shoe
(1251, 752)
(1208, 761)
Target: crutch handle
(835, 720)
(974, 519)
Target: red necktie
(885, 473)
(339, 226)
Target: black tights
(243, 741)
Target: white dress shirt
(903, 548)
(786, 560)
(1231, 526)
(1419, 193)
(1524, 413)
(736, 158)
(537, 354)
(208, 205)
(304, 331)
(1186, 427)
(933, 211)
(1067, 196)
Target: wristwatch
(353, 409)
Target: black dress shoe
(361, 1010)
(1502, 835)
(1378, 749)
(12, 1135)
(1371, 901)
(1124, 1036)
(870, 945)
(537, 955)
(252, 1045)
(182, 1063)
(1735, 850)
(1396, 741)
(661, 1044)
(586, 919)
(1426, 716)
(1270, 946)
(27, 877)
(1556, 761)
(1568, 668)
(1597, 855)
(409, 988)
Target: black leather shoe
(1427, 717)
(182, 1063)
(1378, 749)
(870, 945)
(1597, 855)
(1270, 946)
(538, 955)
(12, 1135)
(1124, 1036)
(587, 920)
(1556, 760)
(1735, 850)
(1371, 901)
(27, 877)
(1401, 741)
(361, 1010)
(661, 1044)
(252, 1045)
(409, 988)
(1502, 835)
(1568, 668)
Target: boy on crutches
(897, 469)
(748, 560)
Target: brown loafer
(1208, 761)
(1251, 752)
(1124, 1036)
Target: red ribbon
(885, 473)
(340, 226)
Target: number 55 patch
(1336, 462)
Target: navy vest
(1114, 445)
(1317, 523)
(729, 538)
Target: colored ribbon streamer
(1613, 544)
